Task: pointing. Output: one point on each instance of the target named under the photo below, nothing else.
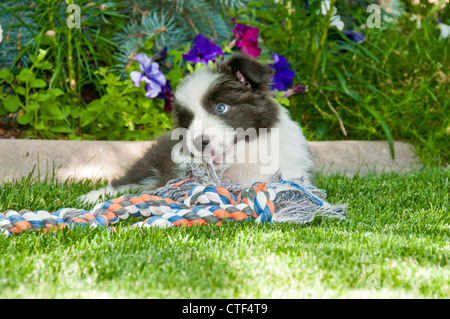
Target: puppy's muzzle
(201, 142)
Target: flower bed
(345, 69)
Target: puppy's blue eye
(222, 108)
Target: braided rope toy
(197, 200)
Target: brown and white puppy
(225, 115)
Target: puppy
(225, 116)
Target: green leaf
(21, 90)
(145, 119)
(352, 93)
(54, 110)
(363, 64)
(384, 125)
(177, 56)
(61, 129)
(38, 83)
(25, 118)
(42, 97)
(25, 75)
(87, 118)
(33, 107)
(111, 112)
(57, 92)
(370, 86)
(189, 67)
(11, 103)
(73, 136)
(41, 55)
(95, 106)
(5, 74)
(44, 65)
(146, 104)
(66, 111)
(40, 126)
(341, 80)
(148, 44)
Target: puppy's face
(216, 106)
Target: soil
(10, 129)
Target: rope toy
(199, 199)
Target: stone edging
(106, 159)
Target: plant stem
(289, 12)
(341, 123)
(70, 58)
(323, 40)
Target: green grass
(395, 243)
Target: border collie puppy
(224, 115)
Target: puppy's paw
(98, 196)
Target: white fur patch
(295, 159)
(205, 124)
(286, 151)
(98, 196)
(193, 88)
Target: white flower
(417, 18)
(335, 18)
(50, 33)
(1, 34)
(336, 21)
(445, 30)
(325, 6)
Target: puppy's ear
(249, 71)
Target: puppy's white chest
(254, 161)
(246, 174)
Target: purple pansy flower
(298, 88)
(246, 39)
(166, 95)
(153, 77)
(160, 55)
(355, 36)
(284, 76)
(202, 51)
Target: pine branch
(172, 24)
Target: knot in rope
(260, 199)
(209, 195)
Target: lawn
(394, 243)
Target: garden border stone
(108, 159)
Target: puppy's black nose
(201, 142)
